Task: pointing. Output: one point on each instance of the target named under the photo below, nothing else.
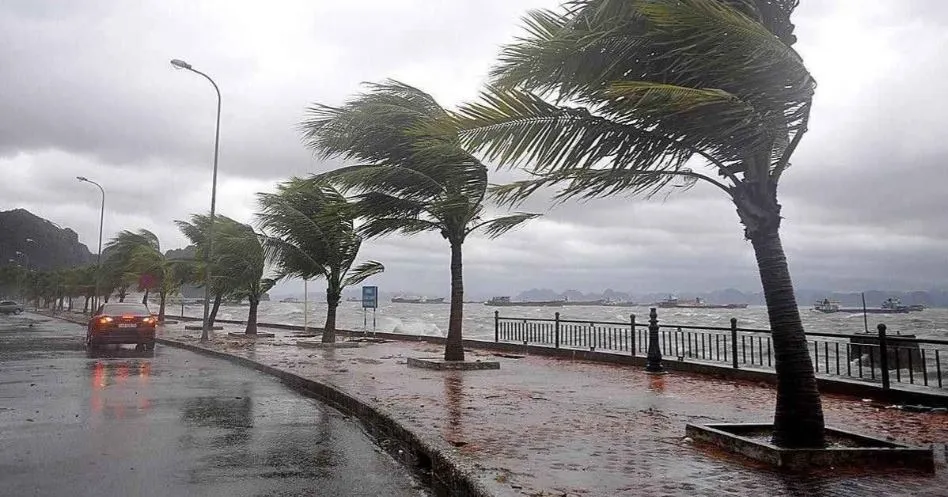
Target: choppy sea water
(432, 319)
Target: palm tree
(632, 96)
(238, 262)
(310, 233)
(413, 175)
(140, 257)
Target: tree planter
(250, 335)
(197, 327)
(846, 449)
(332, 345)
(441, 364)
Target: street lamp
(98, 265)
(205, 329)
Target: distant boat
(506, 302)
(621, 303)
(890, 306)
(290, 300)
(697, 303)
(421, 300)
(353, 299)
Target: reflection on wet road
(169, 422)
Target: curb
(447, 477)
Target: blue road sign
(370, 297)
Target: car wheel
(150, 346)
(18, 311)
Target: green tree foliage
(413, 176)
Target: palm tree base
(441, 364)
(843, 449)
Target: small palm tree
(196, 232)
(665, 93)
(140, 257)
(414, 176)
(309, 233)
(238, 261)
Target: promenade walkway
(542, 426)
(552, 427)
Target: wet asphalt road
(169, 423)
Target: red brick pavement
(551, 427)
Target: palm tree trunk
(252, 316)
(333, 295)
(454, 347)
(69, 306)
(798, 417)
(161, 306)
(214, 308)
(145, 297)
(85, 307)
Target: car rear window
(124, 309)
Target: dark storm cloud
(87, 90)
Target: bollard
(734, 342)
(556, 331)
(654, 360)
(884, 356)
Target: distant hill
(52, 246)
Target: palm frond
(498, 226)
(362, 272)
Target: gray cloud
(88, 91)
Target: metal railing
(872, 357)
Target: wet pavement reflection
(122, 421)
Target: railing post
(556, 331)
(496, 326)
(632, 322)
(654, 361)
(734, 342)
(884, 356)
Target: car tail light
(150, 321)
(105, 320)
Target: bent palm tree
(238, 261)
(415, 177)
(665, 93)
(309, 233)
(196, 232)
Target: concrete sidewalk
(542, 426)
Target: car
(10, 307)
(121, 323)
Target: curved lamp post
(98, 264)
(205, 329)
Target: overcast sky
(86, 89)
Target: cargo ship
(422, 300)
(506, 302)
(890, 306)
(697, 303)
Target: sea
(432, 319)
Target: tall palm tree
(413, 175)
(238, 261)
(632, 96)
(310, 233)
